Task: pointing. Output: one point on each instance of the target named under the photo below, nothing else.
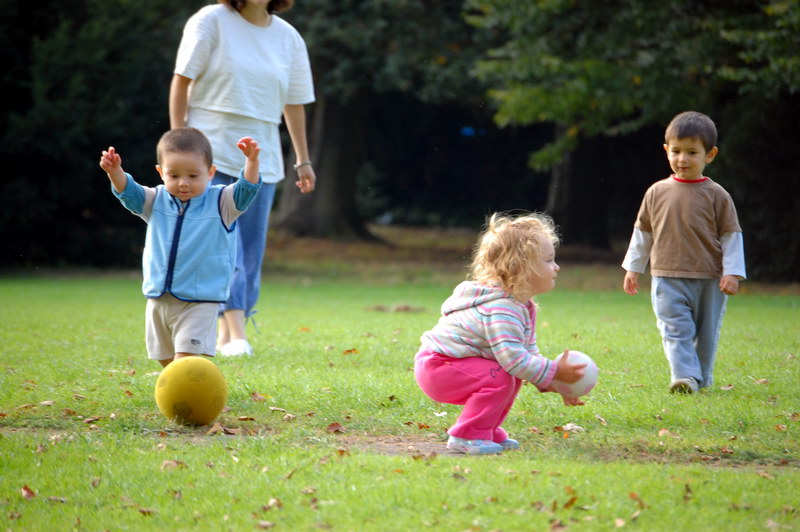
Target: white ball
(582, 386)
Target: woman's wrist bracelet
(304, 163)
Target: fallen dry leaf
(265, 524)
(570, 502)
(57, 499)
(780, 428)
(764, 474)
(335, 428)
(255, 396)
(726, 387)
(27, 493)
(351, 351)
(277, 409)
(216, 428)
(600, 419)
(47, 403)
(246, 418)
(639, 501)
(168, 465)
(273, 502)
(619, 523)
(92, 419)
(146, 511)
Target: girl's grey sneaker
(683, 386)
(473, 446)
(509, 445)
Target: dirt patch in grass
(410, 445)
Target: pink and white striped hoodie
(485, 321)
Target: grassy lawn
(326, 429)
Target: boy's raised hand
(111, 162)
(250, 149)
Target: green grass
(72, 350)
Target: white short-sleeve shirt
(242, 77)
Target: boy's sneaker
(683, 386)
(236, 348)
(509, 445)
(473, 446)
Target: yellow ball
(191, 391)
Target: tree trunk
(579, 205)
(337, 152)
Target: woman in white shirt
(239, 68)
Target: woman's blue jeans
(251, 228)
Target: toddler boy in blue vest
(190, 246)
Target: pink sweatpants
(482, 386)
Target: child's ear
(711, 154)
(160, 172)
(666, 148)
(211, 171)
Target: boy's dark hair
(691, 124)
(185, 140)
(274, 6)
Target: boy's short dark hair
(691, 124)
(274, 6)
(183, 140)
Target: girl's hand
(572, 401)
(566, 372)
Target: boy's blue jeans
(251, 243)
(689, 316)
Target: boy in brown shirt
(688, 229)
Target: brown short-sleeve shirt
(686, 220)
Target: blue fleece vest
(188, 252)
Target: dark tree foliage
(83, 75)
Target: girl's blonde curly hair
(509, 248)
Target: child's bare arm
(111, 162)
(250, 149)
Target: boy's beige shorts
(175, 326)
